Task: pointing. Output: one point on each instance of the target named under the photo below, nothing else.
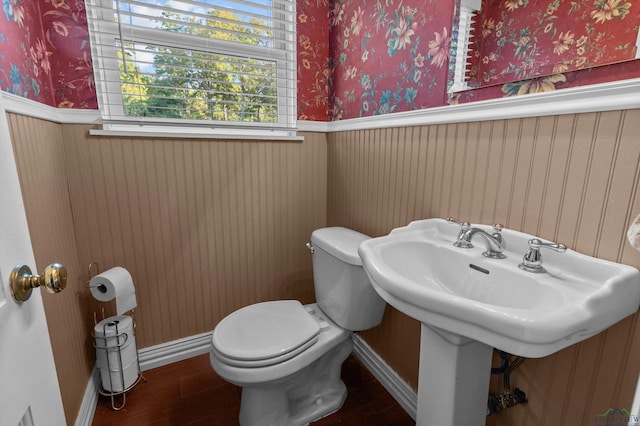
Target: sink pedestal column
(453, 383)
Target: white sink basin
(417, 270)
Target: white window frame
(105, 33)
(467, 11)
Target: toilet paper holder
(92, 270)
(121, 338)
(118, 385)
(97, 271)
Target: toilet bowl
(294, 387)
(288, 357)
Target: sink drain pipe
(508, 398)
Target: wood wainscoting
(208, 226)
(569, 178)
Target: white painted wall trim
(174, 351)
(188, 347)
(151, 357)
(24, 106)
(313, 126)
(617, 95)
(89, 401)
(394, 384)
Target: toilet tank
(342, 288)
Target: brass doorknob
(22, 281)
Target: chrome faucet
(494, 242)
(532, 259)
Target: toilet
(288, 357)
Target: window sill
(197, 133)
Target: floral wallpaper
(388, 55)
(45, 52)
(25, 66)
(601, 74)
(313, 59)
(522, 39)
(355, 57)
(67, 36)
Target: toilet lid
(265, 330)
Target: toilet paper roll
(112, 326)
(112, 359)
(115, 283)
(112, 381)
(115, 342)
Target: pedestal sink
(468, 304)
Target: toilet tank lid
(339, 242)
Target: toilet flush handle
(310, 247)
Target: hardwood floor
(190, 393)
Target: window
(463, 21)
(218, 63)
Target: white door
(29, 391)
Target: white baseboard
(174, 351)
(188, 347)
(151, 357)
(89, 401)
(394, 384)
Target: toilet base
(306, 396)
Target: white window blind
(460, 40)
(196, 62)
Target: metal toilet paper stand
(121, 338)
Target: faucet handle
(464, 225)
(532, 259)
(537, 244)
(497, 234)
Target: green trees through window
(233, 79)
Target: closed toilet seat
(265, 334)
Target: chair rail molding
(23, 106)
(617, 95)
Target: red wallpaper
(355, 58)
(65, 28)
(602, 74)
(45, 53)
(25, 56)
(313, 59)
(521, 39)
(388, 56)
